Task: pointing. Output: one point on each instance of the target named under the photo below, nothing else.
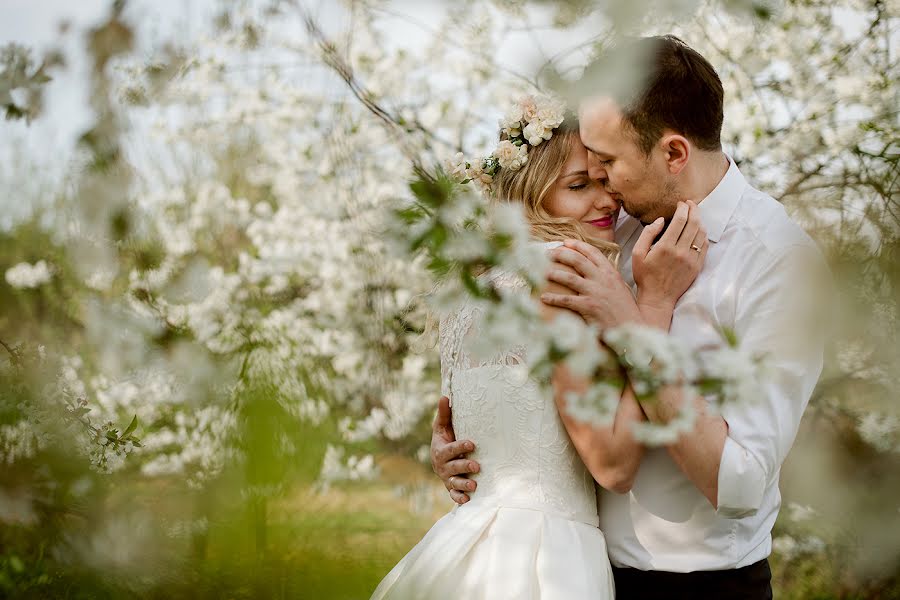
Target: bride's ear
(676, 151)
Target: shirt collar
(716, 209)
(625, 227)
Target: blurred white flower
(880, 430)
(26, 276)
(596, 406)
(785, 545)
(655, 434)
(336, 467)
(457, 167)
(800, 512)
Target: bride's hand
(665, 270)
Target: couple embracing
(549, 507)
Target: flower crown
(530, 121)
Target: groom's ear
(676, 151)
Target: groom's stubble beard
(659, 202)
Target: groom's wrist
(656, 312)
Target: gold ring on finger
(695, 247)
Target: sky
(35, 23)
(46, 143)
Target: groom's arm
(732, 458)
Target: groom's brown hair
(680, 90)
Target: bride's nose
(604, 199)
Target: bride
(530, 530)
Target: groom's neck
(704, 174)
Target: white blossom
(26, 276)
(596, 406)
(336, 467)
(880, 430)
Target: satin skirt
(496, 553)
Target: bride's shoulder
(503, 277)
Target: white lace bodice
(527, 459)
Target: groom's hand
(600, 295)
(448, 455)
(664, 270)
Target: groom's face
(639, 181)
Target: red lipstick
(604, 223)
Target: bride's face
(576, 195)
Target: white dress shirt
(758, 261)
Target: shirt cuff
(742, 482)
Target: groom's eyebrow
(592, 151)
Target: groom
(697, 520)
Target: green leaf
(16, 564)
(470, 283)
(438, 236)
(709, 386)
(730, 336)
(131, 426)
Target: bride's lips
(604, 223)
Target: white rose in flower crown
(551, 116)
(511, 156)
(528, 106)
(536, 133)
(511, 123)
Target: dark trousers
(753, 582)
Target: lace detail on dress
(461, 325)
(525, 452)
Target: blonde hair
(531, 186)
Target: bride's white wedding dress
(530, 529)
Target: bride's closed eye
(578, 186)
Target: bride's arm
(611, 454)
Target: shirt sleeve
(779, 316)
